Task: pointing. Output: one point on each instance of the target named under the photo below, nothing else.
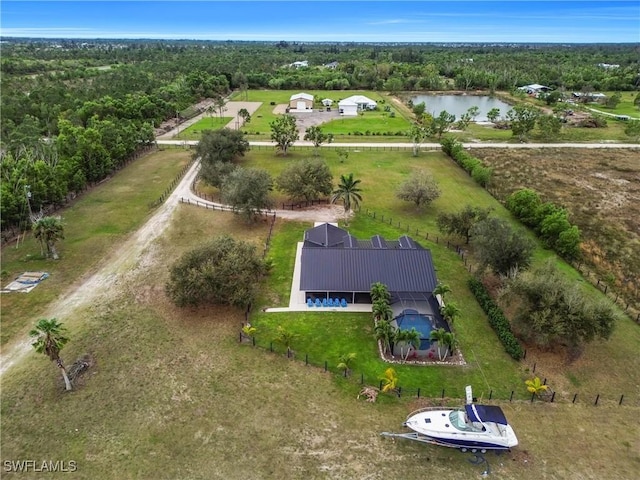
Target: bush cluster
(497, 320)
(549, 221)
(472, 165)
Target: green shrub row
(497, 320)
(549, 221)
(473, 166)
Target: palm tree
(48, 230)
(381, 310)
(535, 386)
(385, 333)
(346, 359)
(409, 339)
(379, 291)
(286, 338)
(439, 337)
(389, 380)
(248, 331)
(451, 343)
(441, 289)
(347, 192)
(450, 312)
(50, 339)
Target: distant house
(336, 264)
(331, 65)
(589, 96)
(356, 103)
(299, 64)
(327, 102)
(608, 66)
(301, 102)
(534, 89)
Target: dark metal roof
(378, 242)
(325, 235)
(355, 269)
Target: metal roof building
(335, 263)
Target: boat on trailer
(473, 427)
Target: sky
(327, 21)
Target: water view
(459, 104)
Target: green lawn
(194, 131)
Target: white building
(301, 102)
(356, 103)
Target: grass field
(93, 224)
(194, 132)
(171, 394)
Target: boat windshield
(459, 420)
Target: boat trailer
(418, 437)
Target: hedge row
(497, 320)
(473, 166)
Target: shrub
(497, 320)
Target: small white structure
(356, 103)
(299, 64)
(327, 102)
(331, 65)
(301, 102)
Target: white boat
(473, 427)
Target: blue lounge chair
(325, 303)
(330, 302)
(309, 302)
(343, 302)
(318, 302)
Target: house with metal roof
(335, 264)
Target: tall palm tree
(385, 333)
(439, 337)
(381, 310)
(451, 342)
(379, 291)
(346, 359)
(48, 230)
(50, 339)
(349, 193)
(409, 339)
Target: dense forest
(73, 111)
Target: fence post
(325, 365)
(362, 379)
(380, 384)
(533, 396)
(443, 394)
(621, 397)
(574, 398)
(490, 394)
(597, 398)
(511, 397)
(399, 392)
(271, 346)
(534, 367)
(553, 395)
(418, 392)
(306, 359)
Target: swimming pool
(409, 319)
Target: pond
(459, 104)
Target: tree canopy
(223, 271)
(284, 132)
(461, 223)
(554, 312)
(306, 180)
(420, 188)
(247, 190)
(500, 247)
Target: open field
(601, 190)
(179, 398)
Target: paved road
(431, 146)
